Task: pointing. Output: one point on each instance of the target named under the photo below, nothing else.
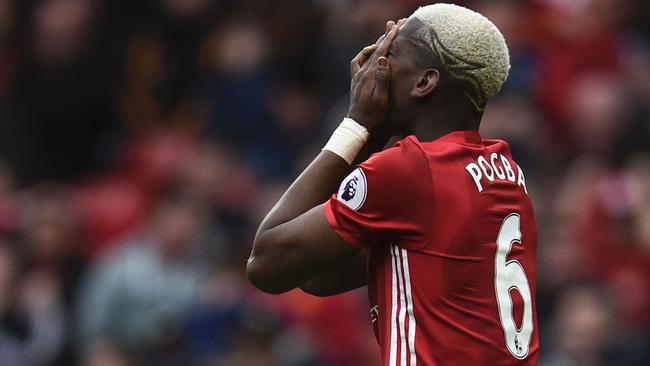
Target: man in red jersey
(440, 226)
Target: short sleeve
(388, 198)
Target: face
(405, 75)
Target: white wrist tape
(347, 140)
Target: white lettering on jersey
(509, 172)
(374, 314)
(498, 167)
(484, 167)
(475, 172)
(520, 180)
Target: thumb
(382, 77)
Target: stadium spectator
(138, 296)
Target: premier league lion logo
(350, 189)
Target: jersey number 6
(509, 276)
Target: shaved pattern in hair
(467, 46)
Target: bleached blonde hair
(467, 45)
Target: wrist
(359, 118)
(347, 140)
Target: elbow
(265, 273)
(314, 290)
(262, 277)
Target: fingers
(358, 61)
(382, 78)
(382, 72)
(389, 25)
(383, 48)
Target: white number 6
(508, 276)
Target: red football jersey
(452, 245)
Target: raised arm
(294, 242)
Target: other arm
(295, 243)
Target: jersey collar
(471, 137)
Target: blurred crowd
(141, 143)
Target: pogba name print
(497, 167)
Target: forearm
(277, 261)
(295, 242)
(316, 183)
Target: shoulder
(396, 174)
(405, 157)
(408, 146)
(387, 197)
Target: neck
(436, 122)
(443, 114)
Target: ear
(426, 83)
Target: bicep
(295, 251)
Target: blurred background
(141, 143)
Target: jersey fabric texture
(451, 267)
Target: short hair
(467, 46)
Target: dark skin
(392, 92)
